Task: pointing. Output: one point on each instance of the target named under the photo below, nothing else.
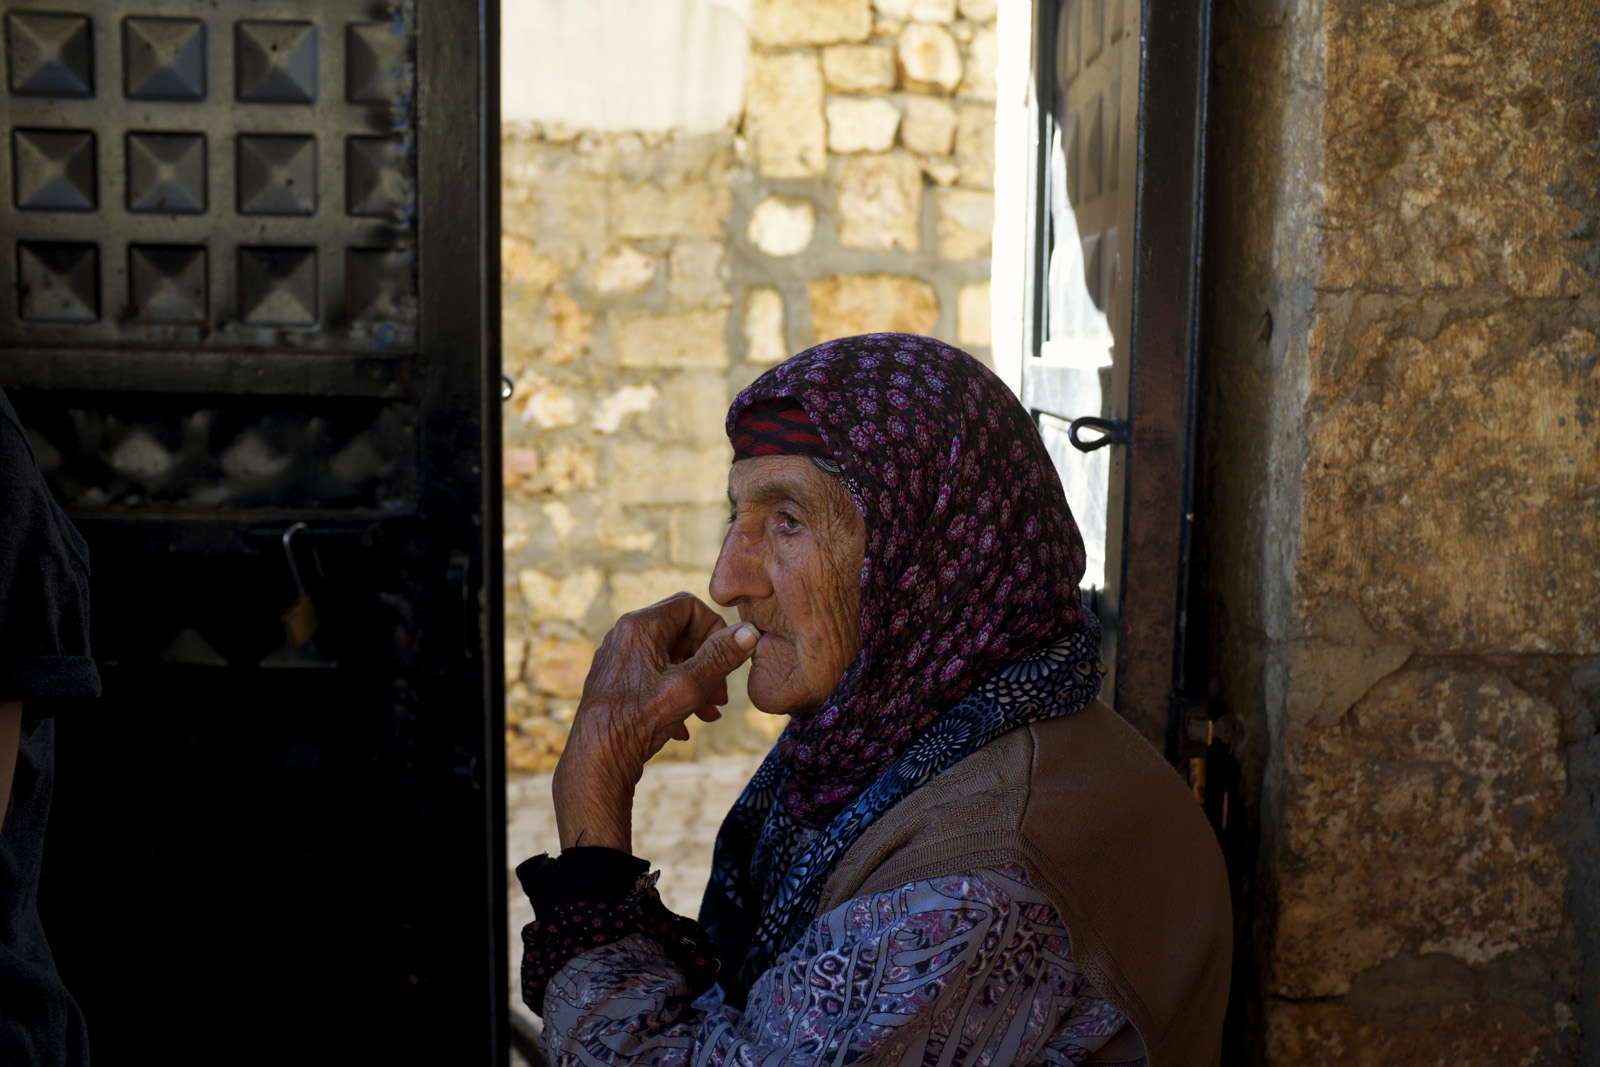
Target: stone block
(928, 59)
(782, 225)
(973, 315)
(571, 327)
(693, 339)
(777, 23)
(520, 265)
(1425, 822)
(557, 666)
(518, 466)
(651, 473)
(566, 469)
(646, 210)
(880, 202)
(694, 535)
(929, 125)
(941, 172)
(975, 146)
(848, 304)
(629, 400)
(858, 68)
(764, 337)
(560, 519)
(982, 66)
(1452, 481)
(861, 124)
(516, 653)
(697, 274)
(979, 10)
(965, 224)
(917, 10)
(541, 402)
(695, 403)
(623, 271)
(783, 115)
(632, 590)
(559, 599)
(1452, 162)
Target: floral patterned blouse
(973, 968)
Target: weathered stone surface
(1454, 157)
(929, 125)
(792, 22)
(861, 124)
(632, 590)
(694, 537)
(623, 270)
(1424, 822)
(517, 466)
(557, 666)
(521, 265)
(973, 315)
(979, 10)
(858, 68)
(975, 146)
(917, 10)
(880, 202)
(1454, 493)
(647, 210)
(566, 598)
(782, 225)
(693, 339)
(671, 474)
(982, 66)
(941, 172)
(560, 519)
(695, 403)
(783, 115)
(543, 403)
(1336, 663)
(565, 469)
(697, 274)
(928, 58)
(849, 304)
(763, 326)
(1443, 1015)
(965, 225)
(611, 410)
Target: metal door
(1119, 96)
(248, 314)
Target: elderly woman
(955, 854)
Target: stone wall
(1400, 519)
(648, 277)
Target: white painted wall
(1012, 130)
(624, 64)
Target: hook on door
(1112, 432)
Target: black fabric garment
(45, 664)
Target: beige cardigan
(1106, 829)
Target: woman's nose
(739, 575)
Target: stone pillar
(1399, 519)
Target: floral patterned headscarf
(972, 557)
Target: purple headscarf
(972, 558)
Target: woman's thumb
(720, 653)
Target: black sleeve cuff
(28, 678)
(583, 873)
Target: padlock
(299, 618)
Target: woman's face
(791, 564)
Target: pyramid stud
(374, 176)
(167, 173)
(276, 62)
(278, 286)
(277, 174)
(375, 63)
(379, 286)
(53, 170)
(167, 283)
(49, 55)
(58, 283)
(164, 59)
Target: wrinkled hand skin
(654, 669)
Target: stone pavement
(676, 813)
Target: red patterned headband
(777, 427)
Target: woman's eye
(788, 524)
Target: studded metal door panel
(246, 292)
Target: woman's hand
(654, 669)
